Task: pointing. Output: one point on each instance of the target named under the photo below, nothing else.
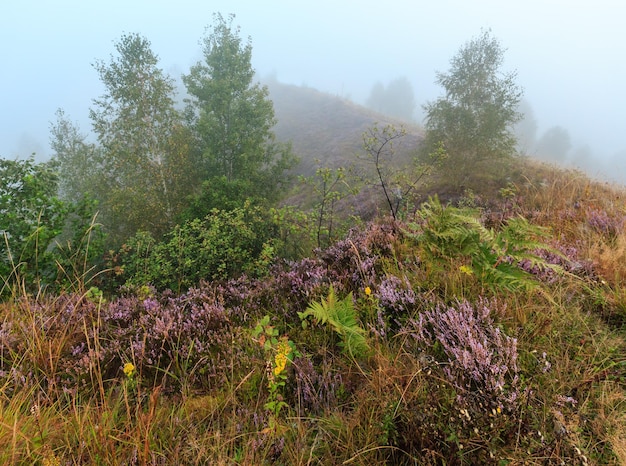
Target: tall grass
(459, 369)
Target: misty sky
(569, 55)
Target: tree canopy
(154, 167)
(79, 162)
(474, 118)
(31, 216)
(146, 161)
(232, 117)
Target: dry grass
(609, 257)
(395, 406)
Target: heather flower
(546, 365)
(354, 260)
(396, 296)
(601, 222)
(482, 359)
(562, 400)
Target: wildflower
(129, 369)
(281, 362)
(368, 291)
(50, 459)
(466, 270)
(562, 400)
(283, 350)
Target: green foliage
(147, 171)
(45, 242)
(80, 164)
(79, 250)
(31, 216)
(330, 186)
(232, 118)
(220, 193)
(280, 352)
(224, 244)
(341, 316)
(294, 232)
(475, 117)
(447, 234)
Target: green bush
(45, 242)
(222, 245)
(31, 216)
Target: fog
(569, 57)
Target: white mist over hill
(568, 57)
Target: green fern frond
(449, 233)
(341, 316)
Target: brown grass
(398, 406)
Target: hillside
(326, 128)
(463, 336)
(327, 131)
(488, 330)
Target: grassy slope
(327, 131)
(325, 128)
(65, 399)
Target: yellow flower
(466, 270)
(283, 350)
(281, 362)
(49, 458)
(129, 369)
(368, 291)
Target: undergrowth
(477, 334)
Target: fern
(341, 316)
(448, 233)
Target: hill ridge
(326, 128)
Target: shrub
(31, 216)
(72, 341)
(223, 245)
(481, 359)
(603, 223)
